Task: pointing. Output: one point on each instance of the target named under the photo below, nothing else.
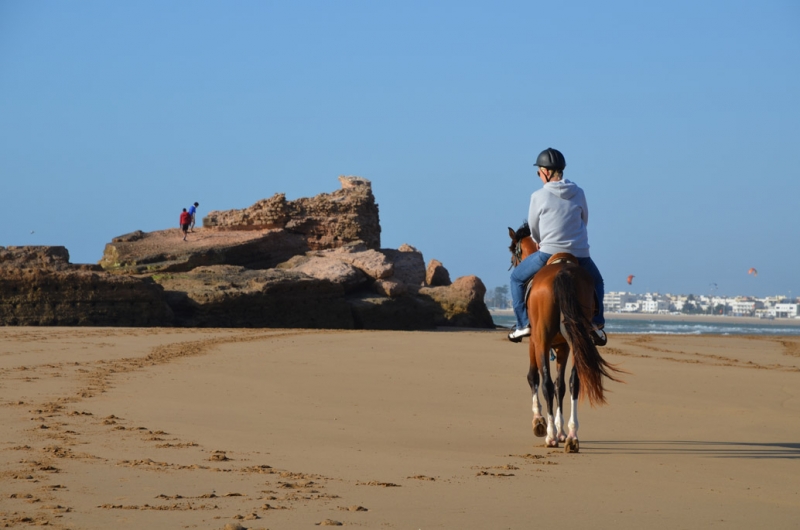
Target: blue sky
(681, 121)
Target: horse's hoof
(552, 443)
(539, 427)
(562, 438)
(572, 446)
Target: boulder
(334, 270)
(389, 288)
(462, 303)
(436, 275)
(328, 220)
(232, 296)
(373, 263)
(407, 264)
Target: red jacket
(186, 218)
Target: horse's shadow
(711, 449)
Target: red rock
(436, 275)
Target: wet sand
(176, 428)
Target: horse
(560, 306)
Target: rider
(557, 218)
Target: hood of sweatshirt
(563, 189)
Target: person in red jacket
(186, 218)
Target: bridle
(516, 255)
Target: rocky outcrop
(259, 237)
(329, 220)
(231, 296)
(309, 263)
(35, 257)
(165, 251)
(39, 287)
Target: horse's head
(522, 245)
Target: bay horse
(560, 306)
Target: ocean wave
(655, 327)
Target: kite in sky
(630, 279)
(752, 271)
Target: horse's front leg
(572, 445)
(562, 354)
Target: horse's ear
(512, 234)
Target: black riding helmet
(551, 159)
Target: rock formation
(326, 221)
(39, 287)
(309, 263)
(231, 296)
(164, 251)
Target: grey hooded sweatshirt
(558, 217)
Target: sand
(176, 428)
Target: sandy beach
(203, 428)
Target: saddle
(561, 257)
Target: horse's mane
(522, 231)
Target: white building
(654, 303)
(631, 307)
(784, 310)
(615, 301)
(744, 306)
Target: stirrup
(599, 337)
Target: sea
(618, 325)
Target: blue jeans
(530, 266)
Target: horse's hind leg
(572, 445)
(562, 354)
(538, 423)
(549, 391)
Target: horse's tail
(575, 328)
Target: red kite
(752, 271)
(630, 279)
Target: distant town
(770, 307)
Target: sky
(680, 120)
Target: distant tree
(689, 308)
(498, 297)
(501, 296)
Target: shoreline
(716, 319)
